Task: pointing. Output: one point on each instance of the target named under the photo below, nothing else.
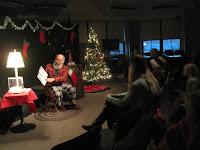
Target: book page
(42, 75)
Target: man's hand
(50, 79)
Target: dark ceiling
(86, 9)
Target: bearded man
(57, 81)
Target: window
(148, 45)
(117, 52)
(171, 44)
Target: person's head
(135, 52)
(59, 61)
(139, 68)
(190, 70)
(192, 105)
(154, 53)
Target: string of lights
(33, 28)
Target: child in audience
(191, 71)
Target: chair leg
(45, 106)
(46, 102)
(55, 107)
(47, 109)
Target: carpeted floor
(44, 115)
(50, 133)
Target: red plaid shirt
(62, 75)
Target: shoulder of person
(139, 81)
(162, 59)
(154, 62)
(192, 79)
(65, 67)
(49, 65)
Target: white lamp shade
(15, 60)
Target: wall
(104, 30)
(132, 32)
(192, 30)
(160, 29)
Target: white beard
(57, 67)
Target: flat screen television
(110, 44)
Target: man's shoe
(76, 107)
(89, 126)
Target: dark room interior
(41, 29)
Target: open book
(42, 75)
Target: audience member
(135, 52)
(158, 66)
(191, 71)
(142, 87)
(183, 135)
(57, 82)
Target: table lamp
(15, 61)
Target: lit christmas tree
(95, 66)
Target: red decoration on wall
(72, 37)
(42, 33)
(25, 47)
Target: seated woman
(142, 87)
(158, 66)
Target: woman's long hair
(140, 69)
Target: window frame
(161, 46)
(171, 44)
(151, 46)
(118, 52)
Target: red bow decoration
(100, 57)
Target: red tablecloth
(15, 99)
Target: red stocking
(72, 37)
(42, 33)
(25, 47)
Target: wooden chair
(49, 102)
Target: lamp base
(16, 90)
(22, 127)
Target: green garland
(37, 26)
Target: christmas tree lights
(95, 66)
